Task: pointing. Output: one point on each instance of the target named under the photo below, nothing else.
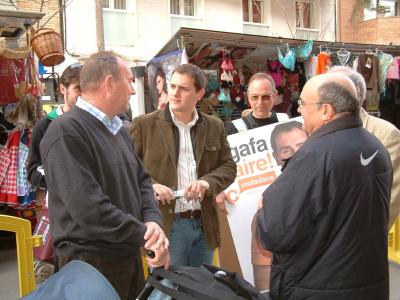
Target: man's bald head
(356, 77)
(334, 77)
(336, 89)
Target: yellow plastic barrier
(25, 243)
(394, 242)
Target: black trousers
(125, 275)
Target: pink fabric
(8, 169)
(393, 70)
(274, 69)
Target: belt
(189, 214)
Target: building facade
(369, 22)
(139, 28)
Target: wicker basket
(46, 43)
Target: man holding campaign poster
(254, 155)
(261, 95)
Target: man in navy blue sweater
(101, 201)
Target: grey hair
(263, 76)
(339, 97)
(357, 79)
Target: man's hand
(196, 190)
(163, 193)
(260, 203)
(220, 199)
(160, 259)
(155, 237)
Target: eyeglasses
(75, 65)
(265, 97)
(301, 103)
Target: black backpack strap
(175, 294)
(196, 286)
(249, 121)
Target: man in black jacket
(325, 218)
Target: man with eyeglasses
(385, 131)
(261, 95)
(325, 218)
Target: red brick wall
(376, 31)
(49, 8)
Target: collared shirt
(113, 125)
(187, 171)
(59, 110)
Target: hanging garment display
(385, 60)
(342, 58)
(12, 72)
(368, 66)
(14, 187)
(303, 51)
(289, 60)
(274, 69)
(311, 66)
(323, 63)
(393, 69)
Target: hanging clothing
(393, 69)
(8, 169)
(385, 60)
(303, 51)
(14, 187)
(323, 63)
(343, 59)
(289, 60)
(311, 66)
(274, 69)
(368, 67)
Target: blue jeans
(187, 247)
(187, 244)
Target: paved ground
(9, 273)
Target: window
(115, 4)
(117, 16)
(182, 7)
(253, 11)
(306, 14)
(381, 8)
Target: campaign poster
(259, 155)
(159, 72)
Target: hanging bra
(304, 51)
(289, 60)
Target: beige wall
(153, 25)
(223, 15)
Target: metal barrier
(25, 243)
(394, 242)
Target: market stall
(229, 60)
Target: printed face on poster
(159, 72)
(259, 154)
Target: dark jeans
(125, 275)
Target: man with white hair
(325, 218)
(385, 131)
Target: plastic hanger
(342, 52)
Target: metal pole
(99, 25)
